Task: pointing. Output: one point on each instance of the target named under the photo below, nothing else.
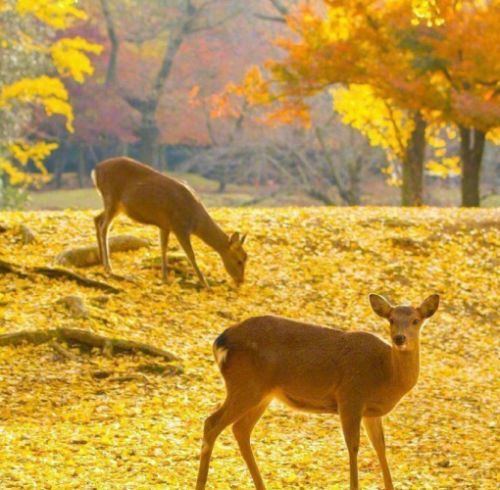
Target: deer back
(145, 195)
(308, 365)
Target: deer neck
(211, 233)
(405, 368)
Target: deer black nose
(399, 339)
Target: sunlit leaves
(48, 92)
(31, 56)
(58, 14)
(448, 166)
(70, 59)
(379, 119)
(63, 428)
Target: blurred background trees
(318, 101)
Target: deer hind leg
(102, 222)
(97, 222)
(185, 242)
(242, 429)
(233, 408)
(164, 234)
(375, 431)
(350, 418)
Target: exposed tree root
(7, 267)
(58, 273)
(84, 338)
(83, 281)
(62, 351)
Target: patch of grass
(65, 199)
(492, 201)
(88, 198)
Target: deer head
(405, 321)
(235, 257)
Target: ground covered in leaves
(115, 422)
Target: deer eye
(415, 322)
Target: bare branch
(271, 18)
(280, 7)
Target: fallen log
(75, 336)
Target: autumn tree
(315, 156)
(367, 44)
(170, 27)
(34, 60)
(321, 157)
(458, 43)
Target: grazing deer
(316, 369)
(149, 197)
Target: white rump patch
(93, 177)
(220, 354)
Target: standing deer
(149, 197)
(316, 369)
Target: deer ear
(234, 238)
(243, 238)
(380, 305)
(429, 306)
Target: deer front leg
(164, 234)
(185, 242)
(375, 431)
(350, 418)
(242, 430)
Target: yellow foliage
(58, 14)
(494, 136)
(445, 167)
(49, 92)
(23, 153)
(382, 123)
(70, 59)
(313, 264)
(255, 87)
(16, 176)
(337, 25)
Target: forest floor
(98, 421)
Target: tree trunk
(162, 158)
(354, 172)
(413, 164)
(113, 39)
(59, 170)
(222, 187)
(148, 132)
(148, 138)
(471, 153)
(82, 167)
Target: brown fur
(152, 198)
(318, 369)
